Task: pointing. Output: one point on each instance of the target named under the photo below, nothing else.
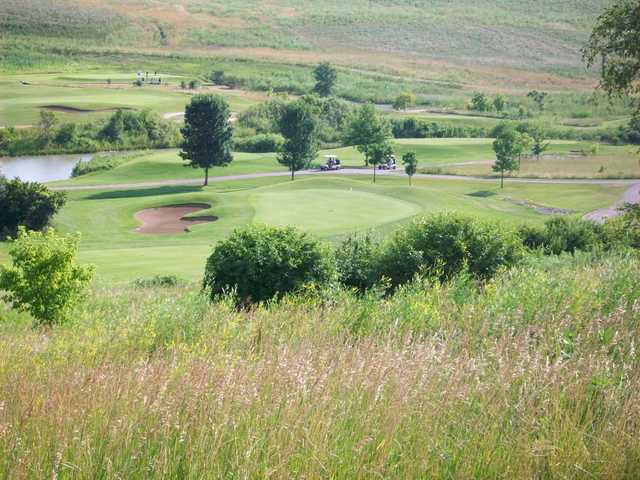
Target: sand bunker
(65, 109)
(171, 219)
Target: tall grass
(533, 375)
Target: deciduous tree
(299, 126)
(207, 133)
(366, 129)
(326, 77)
(410, 164)
(508, 146)
(44, 278)
(404, 101)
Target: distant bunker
(171, 219)
(81, 111)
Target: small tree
(539, 99)
(207, 133)
(326, 77)
(410, 164)
(378, 154)
(480, 103)
(46, 125)
(44, 278)
(508, 146)
(366, 129)
(499, 103)
(299, 126)
(194, 84)
(537, 135)
(404, 101)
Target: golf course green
(328, 206)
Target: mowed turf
(21, 104)
(433, 154)
(327, 206)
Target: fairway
(96, 95)
(327, 206)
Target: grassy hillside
(464, 43)
(510, 34)
(533, 375)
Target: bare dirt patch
(171, 219)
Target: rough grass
(535, 375)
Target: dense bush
(332, 114)
(445, 244)
(44, 278)
(97, 164)
(259, 263)
(564, 235)
(28, 204)
(356, 262)
(417, 128)
(624, 230)
(261, 143)
(123, 130)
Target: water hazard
(41, 168)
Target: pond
(41, 168)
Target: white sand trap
(171, 219)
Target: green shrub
(28, 204)
(44, 278)
(261, 143)
(356, 262)
(624, 230)
(97, 164)
(445, 244)
(259, 263)
(532, 237)
(571, 234)
(157, 281)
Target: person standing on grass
(207, 133)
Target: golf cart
(389, 164)
(332, 163)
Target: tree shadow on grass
(145, 192)
(482, 194)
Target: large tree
(326, 77)
(299, 127)
(508, 146)
(367, 129)
(615, 42)
(207, 133)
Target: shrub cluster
(416, 128)
(261, 143)
(259, 263)
(123, 130)
(27, 204)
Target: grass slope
(534, 375)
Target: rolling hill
(510, 43)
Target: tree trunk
(502, 178)
(292, 173)
(410, 184)
(206, 176)
(374, 174)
